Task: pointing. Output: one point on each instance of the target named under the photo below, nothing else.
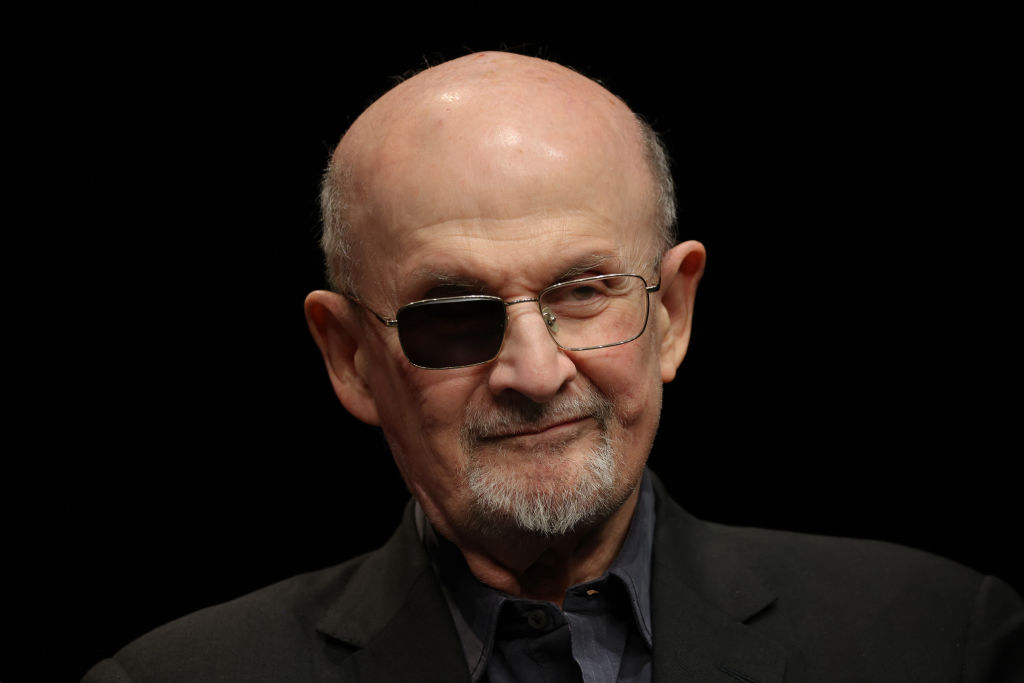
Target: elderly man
(509, 301)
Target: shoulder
(887, 603)
(850, 563)
(330, 624)
(843, 599)
(264, 635)
(806, 561)
(380, 616)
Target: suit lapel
(702, 593)
(393, 612)
(394, 615)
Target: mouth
(529, 427)
(552, 428)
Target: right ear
(338, 332)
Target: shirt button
(537, 619)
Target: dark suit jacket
(729, 604)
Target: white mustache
(523, 415)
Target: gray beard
(507, 500)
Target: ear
(681, 269)
(338, 331)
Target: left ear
(681, 269)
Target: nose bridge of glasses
(521, 301)
(546, 315)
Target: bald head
(522, 181)
(476, 125)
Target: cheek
(422, 429)
(421, 412)
(631, 378)
(638, 412)
(627, 374)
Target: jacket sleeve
(994, 651)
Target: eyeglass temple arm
(388, 322)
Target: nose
(530, 362)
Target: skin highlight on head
(502, 173)
(337, 189)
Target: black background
(171, 439)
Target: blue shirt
(602, 632)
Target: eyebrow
(430, 279)
(587, 264)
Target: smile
(552, 429)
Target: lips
(511, 419)
(530, 430)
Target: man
(509, 302)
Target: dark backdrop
(171, 439)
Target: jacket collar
(704, 594)
(393, 612)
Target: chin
(558, 493)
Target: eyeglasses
(580, 315)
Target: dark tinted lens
(448, 334)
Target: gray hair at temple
(336, 240)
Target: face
(539, 439)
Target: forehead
(498, 169)
(528, 254)
(503, 240)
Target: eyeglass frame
(393, 322)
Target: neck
(543, 568)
